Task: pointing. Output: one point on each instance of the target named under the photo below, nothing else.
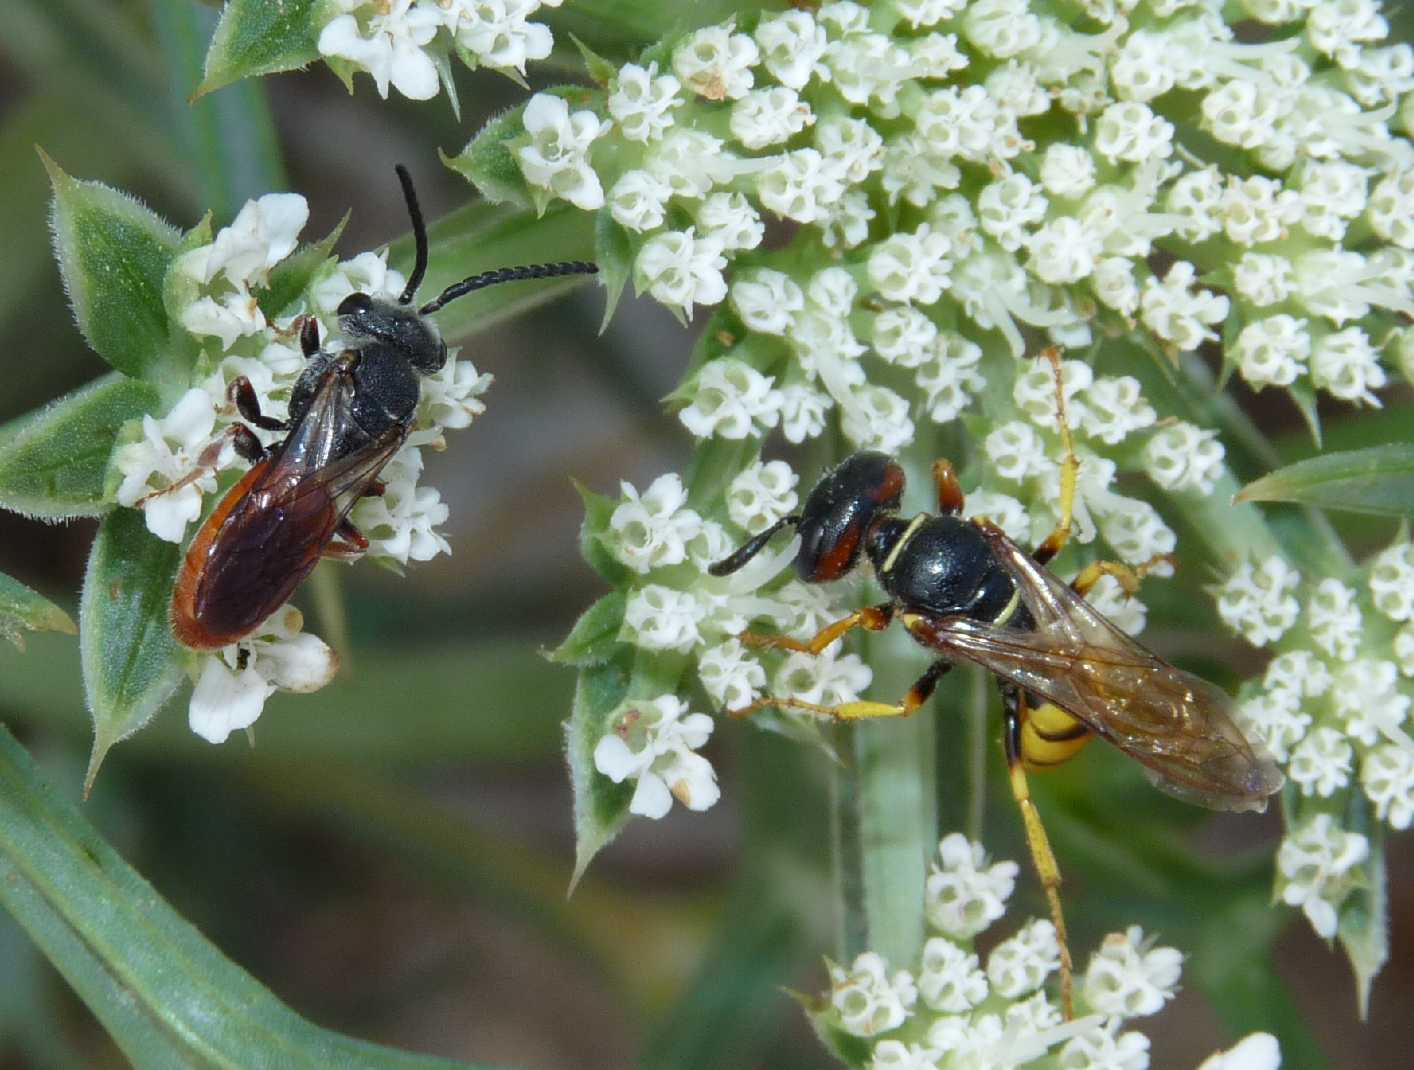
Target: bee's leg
(950, 498)
(1015, 712)
(309, 336)
(1127, 575)
(247, 446)
(376, 489)
(354, 541)
(874, 618)
(243, 396)
(917, 695)
(1070, 467)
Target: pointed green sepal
(594, 638)
(257, 37)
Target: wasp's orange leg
(873, 618)
(1042, 856)
(949, 490)
(917, 695)
(1127, 575)
(1070, 468)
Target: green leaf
(22, 608)
(113, 254)
(167, 996)
(131, 662)
(53, 467)
(1364, 922)
(601, 70)
(488, 163)
(1378, 480)
(614, 253)
(594, 638)
(600, 805)
(597, 511)
(257, 37)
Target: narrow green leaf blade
(600, 805)
(53, 467)
(594, 639)
(113, 254)
(167, 996)
(614, 253)
(131, 662)
(1378, 480)
(257, 37)
(21, 608)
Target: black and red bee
(966, 592)
(350, 411)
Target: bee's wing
(1180, 727)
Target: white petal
(283, 216)
(651, 799)
(694, 782)
(545, 111)
(168, 515)
(191, 418)
(224, 701)
(302, 663)
(413, 73)
(613, 758)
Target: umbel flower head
(953, 1010)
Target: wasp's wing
(1179, 726)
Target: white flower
(716, 63)
(766, 300)
(1016, 451)
(918, 13)
(965, 894)
(1321, 762)
(642, 101)
(800, 185)
(497, 32)
(1067, 171)
(1276, 719)
(791, 44)
(171, 466)
(1300, 672)
(1064, 250)
(1183, 457)
(1387, 775)
(1001, 28)
(731, 221)
(1263, 279)
(1002, 510)
(1392, 581)
(850, 147)
(950, 979)
(653, 743)
(1176, 312)
(730, 674)
(388, 43)
(554, 156)
(661, 618)
(896, 1055)
(1347, 366)
(1130, 131)
(1020, 964)
(367, 273)
(1391, 208)
(1257, 602)
(264, 232)
(769, 116)
(1111, 601)
(1104, 1048)
(400, 523)
(1368, 699)
(1315, 865)
(761, 494)
(1114, 408)
(1273, 351)
(868, 69)
(648, 531)
(691, 162)
(732, 399)
(876, 418)
(912, 267)
(1008, 208)
(1256, 1051)
(1334, 617)
(870, 1000)
(638, 200)
(951, 379)
(831, 679)
(236, 680)
(803, 411)
(1129, 977)
(451, 398)
(680, 269)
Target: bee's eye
(355, 304)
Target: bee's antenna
(512, 274)
(744, 553)
(419, 237)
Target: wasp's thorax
(942, 564)
(401, 327)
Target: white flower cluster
(954, 1011)
(654, 743)
(1333, 708)
(674, 605)
(404, 43)
(169, 467)
(1057, 231)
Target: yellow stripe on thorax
(908, 533)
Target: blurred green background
(391, 858)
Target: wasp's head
(396, 325)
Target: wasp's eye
(355, 304)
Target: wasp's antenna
(744, 553)
(513, 274)
(419, 237)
